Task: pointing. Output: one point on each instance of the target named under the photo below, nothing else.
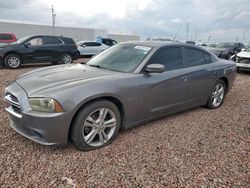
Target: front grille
(14, 106)
(243, 60)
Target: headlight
(45, 105)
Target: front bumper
(243, 66)
(44, 128)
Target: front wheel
(217, 97)
(66, 58)
(95, 126)
(12, 61)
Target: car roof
(159, 44)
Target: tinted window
(51, 40)
(208, 58)
(5, 37)
(67, 40)
(171, 58)
(194, 57)
(92, 44)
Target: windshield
(225, 45)
(121, 58)
(22, 40)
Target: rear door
(53, 47)
(203, 74)
(91, 48)
(164, 92)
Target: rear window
(51, 40)
(68, 40)
(5, 37)
(194, 57)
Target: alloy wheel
(99, 127)
(218, 95)
(14, 62)
(66, 59)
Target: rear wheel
(66, 58)
(95, 126)
(217, 97)
(12, 61)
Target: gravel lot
(198, 148)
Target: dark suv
(39, 48)
(227, 49)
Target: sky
(219, 20)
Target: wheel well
(11, 52)
(114, 100)
(225, 80)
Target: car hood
(244, 54)
(59, 76)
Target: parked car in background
(123, 86)
(227, 49)
(106, 41)
(243, 60)
(190, 42)
(7, 38)
(37, 49)
(90, 48)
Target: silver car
(126, 85)
(89, 48)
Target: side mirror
(243, 50)
(155, 68)
(27, 44)
(83, 45)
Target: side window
(208, 58)
(96, 44)
(51, 40)
(36, 41)
(5, 37)
(86, 44)
(92, 44)
(171, 58)
(194, 57)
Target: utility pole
(53, 18)
(195, 35)
(188, 24)
(209, 38)
(244, 34)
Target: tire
(66, 58)
(12, 61)
(217, 96)
(238, 70)
(87, 130)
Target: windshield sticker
(144, 48)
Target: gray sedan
(126, 85)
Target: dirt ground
(197, 148)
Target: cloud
(222, 20)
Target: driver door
(35, 50)
(165, 92)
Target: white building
(77, 34)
